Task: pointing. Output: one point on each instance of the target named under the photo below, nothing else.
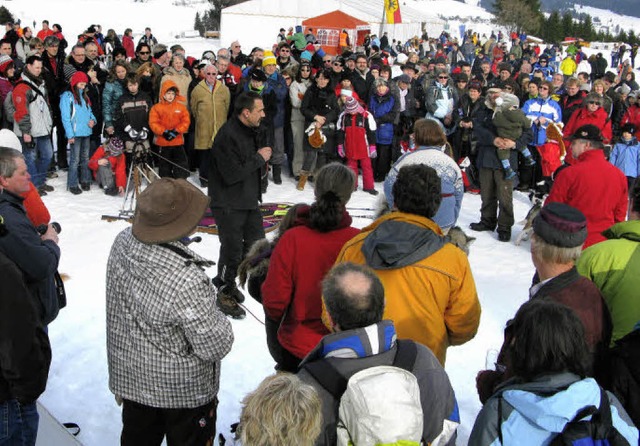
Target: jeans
(38, 158)
(79, 155)
(18, 423)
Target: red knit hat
(5, 63)
(78, 77)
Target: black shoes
(479, 227)
(75, 190)
(112, 191)
(371, 191)
(45, 187)
(277, 174)
(504, 235)
(85, 186)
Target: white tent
(257, 22)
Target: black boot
(277, 174)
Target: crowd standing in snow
(431, 117)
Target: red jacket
(129, 47)
(291, 293)
(37, 212)
(597, 188)
(117, 166)
(632, 115)
(169, 116)
(581, 117)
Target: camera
(42, 229)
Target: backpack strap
(335, 383)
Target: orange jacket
(169, 116)
(432, 301)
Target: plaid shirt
(165, 336)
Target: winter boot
(528, 158)
(264, 182)
(303, 179)
(508, 171)
(232, 291)
(277, 174)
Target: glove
(373, 153)
(133, 133)
(341, 151)
(168, 135)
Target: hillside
(623, 7)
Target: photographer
(36, 255)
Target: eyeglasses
(594, 102)
(327, 61)
(285, 51)
(544, 88)
(211, 74)
(337, 64)
(443, 77)
(144, 52)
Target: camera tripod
(140, 173)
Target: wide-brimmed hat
(168, 210)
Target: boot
(264, 182)
(303, 179)
(508, 171)
(528, 158)
(277, 174)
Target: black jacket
(235, 169)
(37, 259)
(25, 353)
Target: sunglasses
(443, 77)
(337, 64)
(211, 74)
(144, 52)
(326, 61)
(544, 88)
(285, 51)
(594, 102)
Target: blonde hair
(553, 254)
(281, 411)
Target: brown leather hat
(168, 210)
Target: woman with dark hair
(431, 143)
(550, 361)
(115, 86)
(320, 110)
(291, 292)
(297, 91)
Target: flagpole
(384, 18)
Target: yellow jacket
(429, 289)
(568, 66)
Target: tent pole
(384, 18)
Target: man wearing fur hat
(166, 379)
(601, 197)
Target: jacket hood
(551, 413)
(629, 230)
(166, 86)
(400, 239)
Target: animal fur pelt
(256, 262)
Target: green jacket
(614, 265)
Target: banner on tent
(392, 11)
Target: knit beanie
(5, 63)
(115, 146)
(159, 50)
(78, 77)
(352, 106)
(306, 55)
(561, 225)
(268, 59)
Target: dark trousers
(496, 194)
(285, 360)
(146, 426)
(172, 162)
(238, 230)
(204, 157)
(382, 163)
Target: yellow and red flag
(392, 11)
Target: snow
(78, 381)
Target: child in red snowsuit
(108, 167)
(357, 141)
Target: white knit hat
(10, 140)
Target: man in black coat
(496, 192)
(36, 255)
(53, 73)
(238, 157)
(25, 354)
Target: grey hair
(7, 161)
(549, 253)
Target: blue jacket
(385, 112)
(110, 95)
(279, 86)
(75, 117)
(626, 157)
(526, 418)
(536, 108)
(452, 186)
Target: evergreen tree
(567, 25)
(198, 25)
(622, 36)
(588, 31)
(518, 15)
(632, 38)
(5, 15)
(552, 30)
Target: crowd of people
(348, 312)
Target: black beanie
(561, 225)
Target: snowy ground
(78, 390)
